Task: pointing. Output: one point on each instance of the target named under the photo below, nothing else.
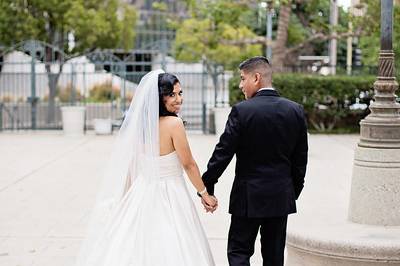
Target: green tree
(369, 27)
(301, 26)
(93, 23)
(210, 35)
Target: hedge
(326, 100)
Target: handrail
(10, 114)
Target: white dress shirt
(266, 89)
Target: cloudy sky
(344, 3)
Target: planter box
(102, 126)
(73, 120)
(221, 117)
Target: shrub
(326, 100)
(104, 92)
(7, 99)
(65, 94)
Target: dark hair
(254, 63)
(166, 83)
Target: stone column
(375, 189)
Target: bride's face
(173, 101)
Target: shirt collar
(265, 89)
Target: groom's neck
(265, 85)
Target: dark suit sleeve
(299, 157)
(223, 152)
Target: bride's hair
(166, 83)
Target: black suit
(268, 134)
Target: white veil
(133, 159)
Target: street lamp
(270, 13)
(375, 185)
(333, 21)
(268, 5)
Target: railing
(5, 111)
(105, 94)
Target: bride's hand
(210, 203)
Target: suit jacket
(268, 134)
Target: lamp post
(349, 53)
(381, 129)
(375, 186)
(33, 47)
(354, 11)
(333, 21)
(268, 5)
(270, 13)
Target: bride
(144, 215)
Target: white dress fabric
(162, 223)
(143, 214)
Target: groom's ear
(257, 77)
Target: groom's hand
(207, 207)
(210, 203)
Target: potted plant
(73, 117)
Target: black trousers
(242, 236)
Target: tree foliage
(94, 23)
(307, 28)
(369, 25)
(206, 35)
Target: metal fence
(33, 89)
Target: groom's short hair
(258, 64)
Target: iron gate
(37, 79)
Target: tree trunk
(213, 71)
(52, 82)
(278, 52)
(52, 56)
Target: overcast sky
(344, 3)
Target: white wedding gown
(158, 216)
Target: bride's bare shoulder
(171, 122)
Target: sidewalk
(48, 183)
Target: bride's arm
(182, 148)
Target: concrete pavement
(48, 183)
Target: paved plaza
(48, 183)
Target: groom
(268, 134)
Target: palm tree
(279, 48)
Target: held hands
(210, 203)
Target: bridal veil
(134, 157)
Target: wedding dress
(144, 215)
